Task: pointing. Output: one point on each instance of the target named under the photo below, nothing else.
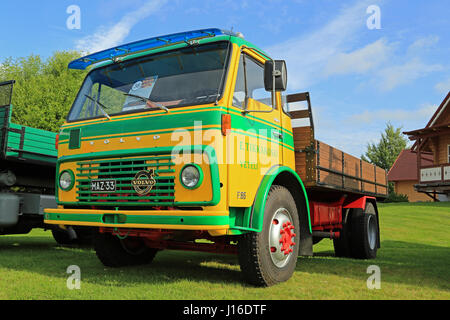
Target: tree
(385, 152)
(44, 90)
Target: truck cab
(187, 137)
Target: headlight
(191, 176)
(66, 180)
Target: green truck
(27, 174)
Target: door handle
(277, 134)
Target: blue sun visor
(143, 45)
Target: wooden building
(434, 139)
(404, 175)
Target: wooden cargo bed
(323, 167)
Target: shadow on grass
(43, 256)
(400, 262)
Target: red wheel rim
(281, 237)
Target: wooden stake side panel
(382, 179)
(302, 137)
(331, 167)
(25, 143)
(305, 162)
(300, 165)
(368, 172)
(352, 168)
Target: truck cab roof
(137, 48)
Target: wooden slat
(305, 161)
(299, 114)
(302, 137)
(297, 97)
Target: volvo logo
(144, 181)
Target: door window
(250, 83)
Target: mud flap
(306, 243)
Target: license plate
(103, 185)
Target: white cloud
(346, 140)
(361, 60)
(309, 55)
(351, 137)
(443, 86)
(107, 37)
(371, 116)
(396, 75)
(337, 48)
(352, 133)
(330, 50)
(424, 42)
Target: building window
(448, 153)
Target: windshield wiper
(158, 105)
(102, 107)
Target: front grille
(123, 171)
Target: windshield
(188, 76)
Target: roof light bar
(143, 45)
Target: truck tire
(364, 238)
(270, 256)
(115, 252)
(342, 245)
(73, 236)
(85, 235)
(64, 237)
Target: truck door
(257, 133)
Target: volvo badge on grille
(144, 181)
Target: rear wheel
(115, 252)
(270, 256)
(364, 237)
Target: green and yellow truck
(187, 142)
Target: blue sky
(359, 78)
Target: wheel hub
(372, 232)
(286, 237)
(281, 237)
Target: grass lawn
(414, 261)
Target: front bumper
(148, 219)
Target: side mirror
(280, 75)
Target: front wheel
(115, 252)
(64, 237)
(270, 256)
(73, 236)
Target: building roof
(429, 131)
(434, 126)
(405, 166)
(440, 110)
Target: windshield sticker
(137, 86)
(142, 88)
